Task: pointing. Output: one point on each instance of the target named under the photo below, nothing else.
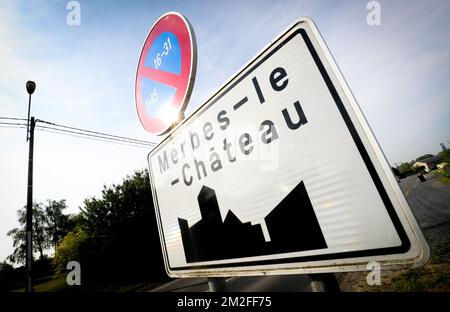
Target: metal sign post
(325, 282)
(217, 284)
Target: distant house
(429, 163)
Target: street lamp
(31, 86)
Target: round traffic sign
(165, 73)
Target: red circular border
(179, 26)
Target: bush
(116, 240)
(445, 156)
(70, 249)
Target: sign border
(405, 246)
(190, 79)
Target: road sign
(278, 173)
(166, 73)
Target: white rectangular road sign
(278, 173)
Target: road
(429, 201)
(284, 283)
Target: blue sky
(398, 71)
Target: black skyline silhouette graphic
(292, 226)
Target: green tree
(70, 249)
(122, 234)
(40, 235)
(57, 224)
(50, 225)
(40, 238)
(445, 156)
(18, 235)
(405, 167)
(7, 273)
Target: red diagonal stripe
(164, 77)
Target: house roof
(434, 159)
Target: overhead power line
(83, 136)
(96, 132)
(76, 132)
(13, 126)
(91, 135)
(12, 123)
(103, 137)
(13, 118)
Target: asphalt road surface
(429, 201)
(276, 283)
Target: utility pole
(31, 86)
(29, 225)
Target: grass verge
(433, 277)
